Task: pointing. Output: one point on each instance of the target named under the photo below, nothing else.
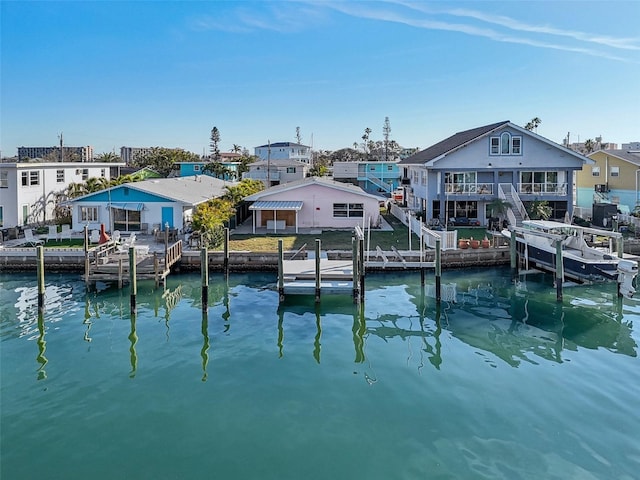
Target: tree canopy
(162, 159)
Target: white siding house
(276, 172)
(284, 151)
(28, 189)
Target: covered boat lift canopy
(275, 206)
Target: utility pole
(268, 163)
(61, 146)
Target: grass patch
(330, 239)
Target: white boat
(588, 255)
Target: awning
(128, 206)
(277, 205)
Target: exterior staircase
(517, 213)
(387, 187)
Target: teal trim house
(143, 206)
(380, 178)
(188, 169)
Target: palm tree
(108, 157)
(236, 148)
(533, 124)
(589, 145)
(498, 208)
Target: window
(505, 144)
(515, 145)
(1, 216)
(460, 182)
(390, 168)
(291, 169)
(4, 179)
(552, 182)
(30, 178)
(615, 171)
(343, 210)
(60, 176)
(595, 171)
(88, 214)
(85, 174)
(495, 145)
(196, 168)
(25, 214)
(103, 172)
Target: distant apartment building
(631, 146)
(69, 154)
(129, 154)
(284, 151)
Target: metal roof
(277, 205)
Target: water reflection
(42, 348)
(204, 352)
(133, 338)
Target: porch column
(275, 222)
(296, 221)
(255, 212)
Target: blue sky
(114, 73)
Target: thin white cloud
(513, 24)
(295, 16)
(382, 12)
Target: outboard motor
(627, 271)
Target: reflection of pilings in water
(204, 353)
(133, 338)
(87, 319)
(358, 329)
(42, 347)
(316, 342)
(448, 292)
(280, 331)
(225, 299)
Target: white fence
(448, 239)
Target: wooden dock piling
(318, 271)
(438, 266)
(132, 279)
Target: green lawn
(338, 240)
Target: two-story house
(380, 178)
(276, 172)
(28, 189)
(613, 178)
(461, 175)
(284, 151)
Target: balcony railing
(468, 188)
(542, 188)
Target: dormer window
(506, 144)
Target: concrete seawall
(67, 260)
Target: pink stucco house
(313, 202)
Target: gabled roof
(283, 144)
(451, 143)
(460, 139)
(344, 187)
(626, 155)
(188, 190)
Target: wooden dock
(108, 263)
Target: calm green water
(505, 383)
